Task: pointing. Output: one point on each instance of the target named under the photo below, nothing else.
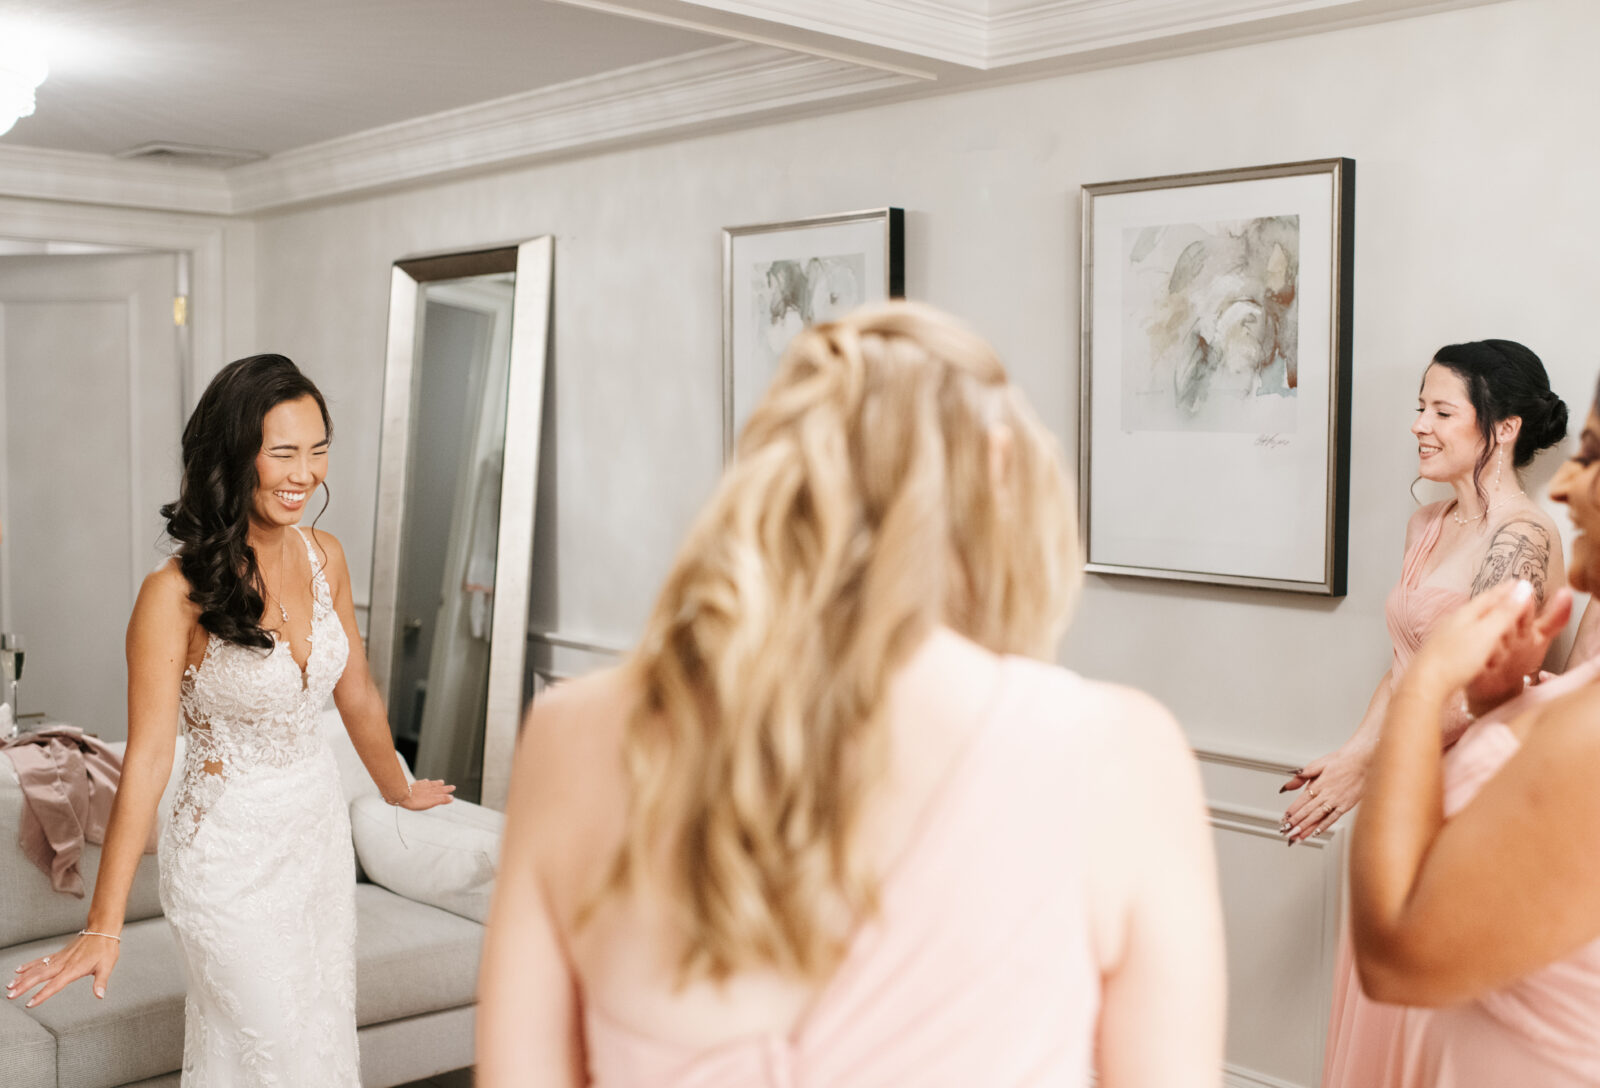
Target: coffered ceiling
(335, 97)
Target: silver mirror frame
(534, 263)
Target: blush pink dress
(978, 969)
(1362, 1033)
(1541, 1031)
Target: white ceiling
(349, 96)
(271, 75)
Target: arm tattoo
(1519, 550)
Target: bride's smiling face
(292, 463)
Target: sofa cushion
(353, 776)
(411, 958)
(444, 856)
(136, 1031)
(29, 907)
(27, 1051)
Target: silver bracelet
(404, 799)
(97, 933)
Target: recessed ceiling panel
(266, 77)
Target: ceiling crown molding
(711, 85)
(42, 174)
(723, 83)
(949, 30)
(1020, 31)
(993, 34)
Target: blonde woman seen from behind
(836, 820)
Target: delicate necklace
(282, 559)
(1459, 520)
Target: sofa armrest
(445, 856)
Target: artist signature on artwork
(1271, 441)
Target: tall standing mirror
(457, 479)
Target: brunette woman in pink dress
(1484, 409)
(1475, 896)
(838, 820)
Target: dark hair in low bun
(1505, 379)
(210, 521)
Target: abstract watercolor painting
(788, 294)
(1215, 375)
(780, 277)
(1213, 325)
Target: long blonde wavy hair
(891, 479)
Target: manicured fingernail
(1523, 591)
(98, 992)
(1285, 788)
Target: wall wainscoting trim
(1234, 1076)
(1249, 761)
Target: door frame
(200, 239)
(199, 243)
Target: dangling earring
(1500, 463)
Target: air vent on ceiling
(218, 158)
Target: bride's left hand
(427, 793)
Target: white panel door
(92, 418)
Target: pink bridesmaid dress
(1362, 1033)
(978, 969)
(1541, 1031)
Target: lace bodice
(245, 708)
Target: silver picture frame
(1215, 374)
(848, 259)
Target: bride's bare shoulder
(166, 589)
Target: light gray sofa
(416, 964)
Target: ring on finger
(45, 961)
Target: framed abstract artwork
(1214, 422)
(780, 277)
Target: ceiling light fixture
(22, 69)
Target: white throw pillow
(444, 857)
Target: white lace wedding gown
(257, 871)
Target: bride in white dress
(243, 634)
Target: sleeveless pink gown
(1541, 1031)
(978, 969)
(1362, 1033)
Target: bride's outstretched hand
(428, 793)
(90, 954)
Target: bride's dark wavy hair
(210, 521)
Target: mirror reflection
(439, 670)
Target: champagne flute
(11, 657)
